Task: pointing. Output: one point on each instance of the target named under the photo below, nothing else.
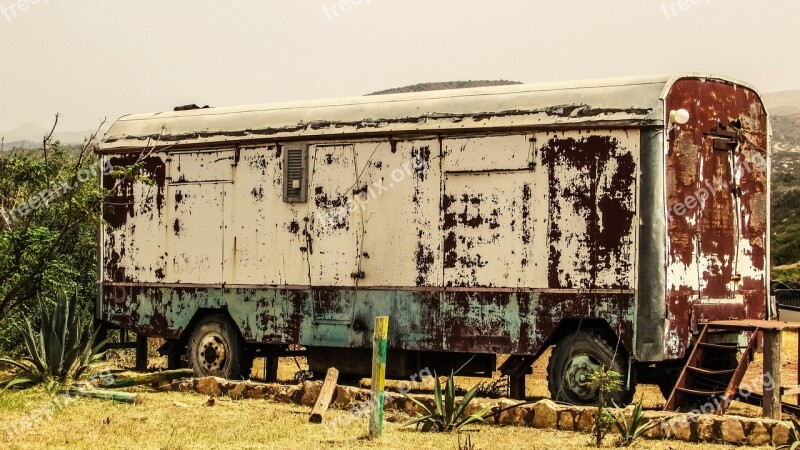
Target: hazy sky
(89, 59)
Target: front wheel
(573, 361)
(217, 350)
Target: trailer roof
(628, 102)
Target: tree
(50, 214)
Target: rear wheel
(573, 361)
(216, 349)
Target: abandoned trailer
(606, 218)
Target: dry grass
(180, 421)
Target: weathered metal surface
(717, 208)
(622, 102)
(480, 241)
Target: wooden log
(122, 397)
(325, 396)
(379, 344)
(151, 378)
(772, 375)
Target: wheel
(216, 349)
(575, 358)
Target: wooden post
(516, 386)
(325, 396)
(141, 352)
(772, 372)
(379, 344)
(271, 369)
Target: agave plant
(64, 348)
(448, 415)
(636, 428)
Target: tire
(216, 349)
(578, 355)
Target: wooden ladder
(701, 381)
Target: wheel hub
(213, 352)
(578, 374)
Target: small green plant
(61, 352)
(448, 415)
(636, 428)
(795, 437)
(607, 382)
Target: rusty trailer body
(481, 221)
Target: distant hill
(441, 86)
(785, 103)
(30, 135)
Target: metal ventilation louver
(295, 173)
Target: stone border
(544, 414)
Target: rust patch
(592, 200)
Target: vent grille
(295, 170)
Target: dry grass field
(173, 421)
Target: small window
(295, 173)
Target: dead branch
(47, 138)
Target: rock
(658, 431)
(516, 416)
(209, 386)
(164, 386)
(705, 429)
(506, 417)
(781, 434)
(732, 431)
(238, 391)
(758, 435)
(585, 419)
(292, 394)
(566, 420)
(545, 414)
(345, 396)
(311, 390)
(679, 427)
(187, 386)
(255, 392)
(272, 391)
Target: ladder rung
(699, 392)
(721, 346)
(704, 371)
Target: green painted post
(378, 376)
